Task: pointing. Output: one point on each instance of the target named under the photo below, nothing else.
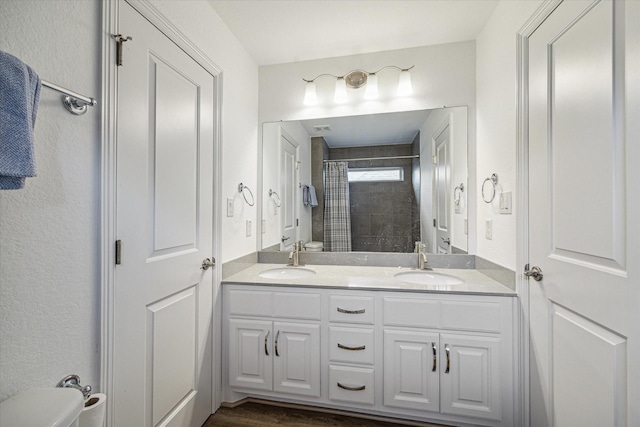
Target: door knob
(535, 272)
(207, 263)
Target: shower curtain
(337, 209)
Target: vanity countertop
(372, 278)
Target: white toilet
(313, 246)
(42, 407)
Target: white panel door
(442, 187)
(162, 359)
(470, 373)
(250, 354)
(289, 189)
(296, 362)
(585, 326)
(411, 370)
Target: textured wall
(49, 231)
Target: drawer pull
(346, 387)
(342, 310)
(447, 351)
(344, 347)
(266, 337)
(433, 347)
(277, 336)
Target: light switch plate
(229, 207)
(248, 228)
(505, 203)
(488, 229)
(264, 226)
(466, 226)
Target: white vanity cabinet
(449, 355)
(273, 355)
(440, 357)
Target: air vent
(322, 128)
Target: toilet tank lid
(42, 407)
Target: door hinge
(297, 222)
(120, 39)
(434, 222)
(118, 252)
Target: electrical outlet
(248, 228)
(229, 207)
(264, 226)
(488, 229)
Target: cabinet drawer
(249, 303)
(296, 305)
(351, 345)
(411, 312)
(471, 316)
(351, 309)
(354, 385)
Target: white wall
(49, 231)
(271, 214)
(496, 124)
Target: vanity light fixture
(356, 79)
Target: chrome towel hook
(276, 199)
(494, 181)
(241, 188)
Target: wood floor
(252, 414)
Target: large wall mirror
(389, 180)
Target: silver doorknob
(207, 263)
(535, 272)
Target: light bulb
(371, 92)
(404, 84)
(310, 97)
(341, 91)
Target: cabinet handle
(435, 358)
(342, 310)
(277, 336)
(447, 351)
(266, 337)
(344, 347)
(346, 387)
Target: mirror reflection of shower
(402, 171)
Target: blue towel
(19, 96)
(313, 200)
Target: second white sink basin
(286, 273)
(427, 278)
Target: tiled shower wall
(385, 216)
(319, 152)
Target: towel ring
(241, 189)
(273, 196)
(494, 181)
(457, 193)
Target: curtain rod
(374, 158)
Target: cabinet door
(471, 384)
(410, 370)
(296, 361)
(250, 359)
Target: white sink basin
(286, 273)
(427, 278)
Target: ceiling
(283, 31)
(371, 129)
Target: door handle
(266, 337)
(208, 263)
(447, 240)
(277, 336)
(435, 357)
(447, 351)
(285, 238)
(535, 272)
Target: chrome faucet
(421, 249)
(294, 255)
